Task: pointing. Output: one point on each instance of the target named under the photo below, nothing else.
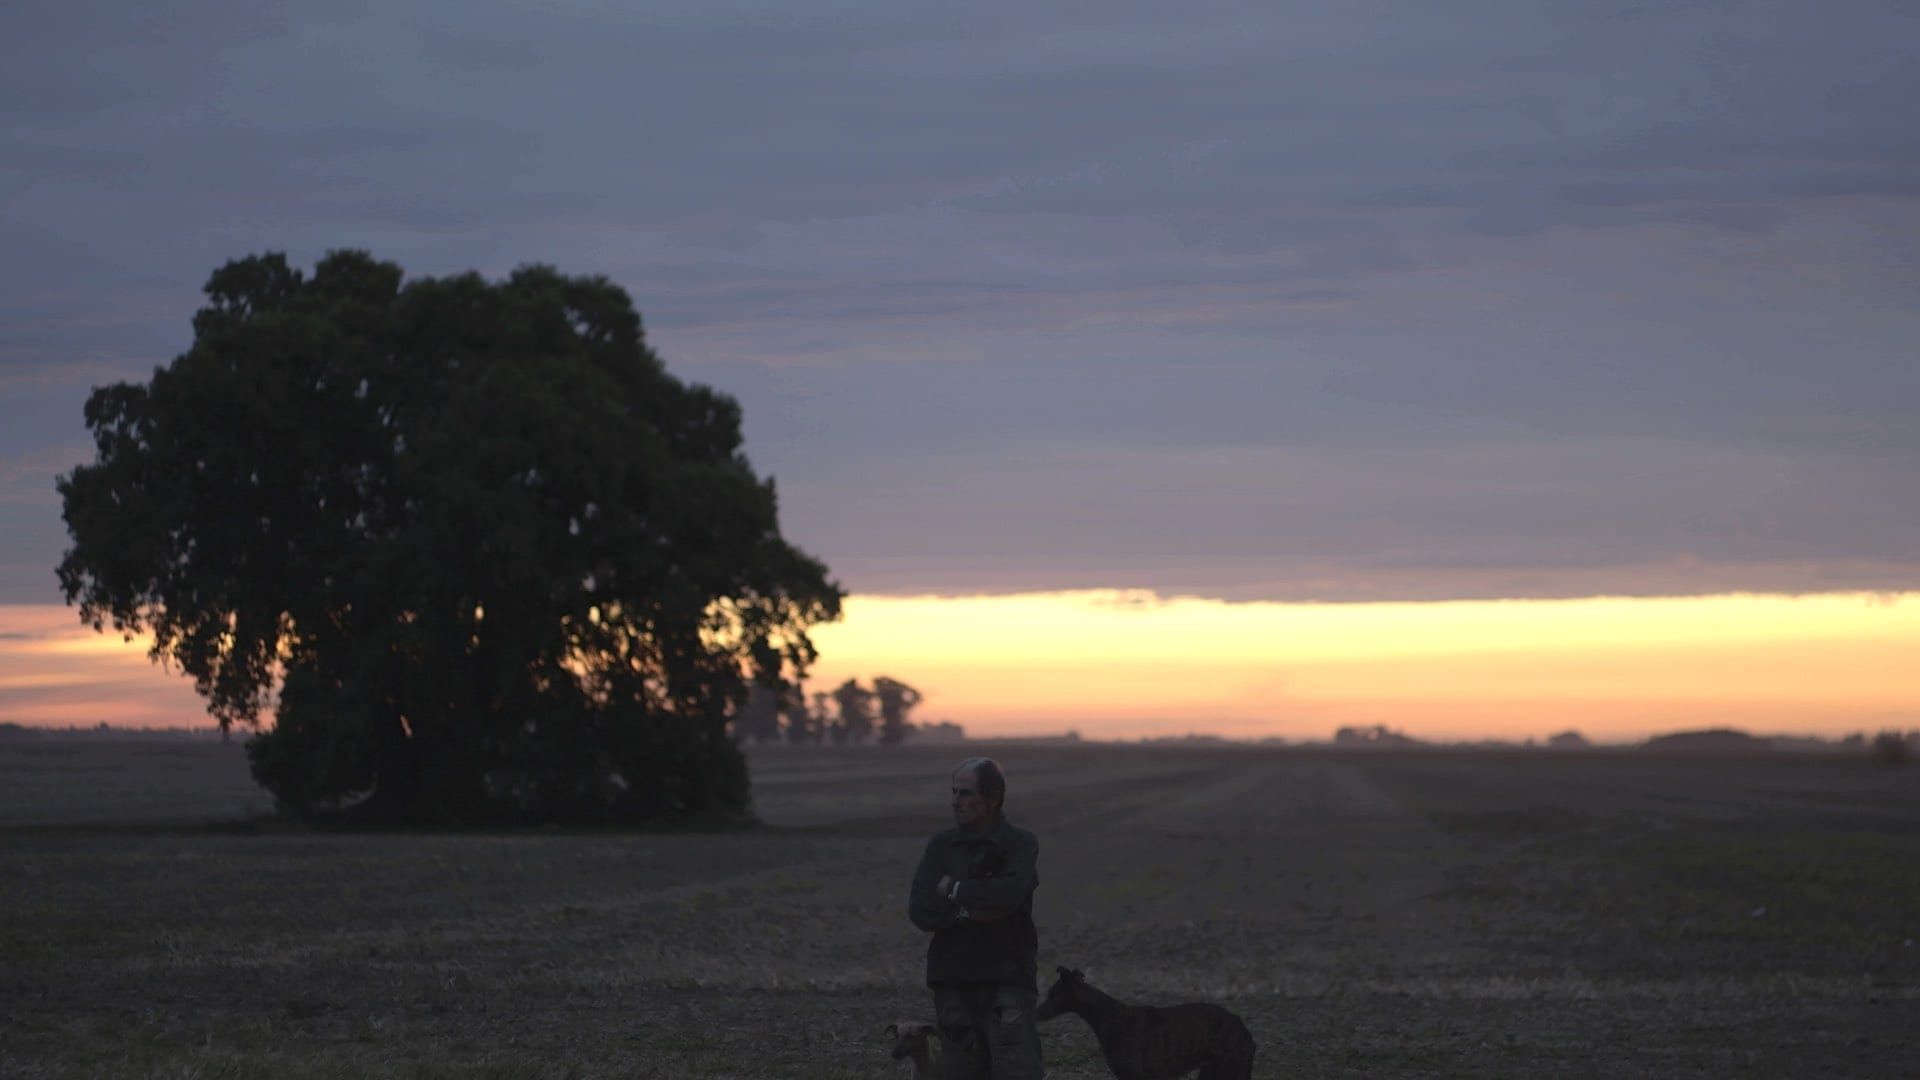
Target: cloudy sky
(1320, 302)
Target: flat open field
(1385, 914)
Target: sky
(1397, 313)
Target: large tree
(475, 549)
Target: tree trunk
(395, 799)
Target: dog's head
(1063, 996)
(907, 1039)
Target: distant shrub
(1892, 748)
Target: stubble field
(1381, 914)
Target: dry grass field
(1378, 914)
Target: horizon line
(17, 728)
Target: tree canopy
(476, 550)
(855, 703)
(897, 700)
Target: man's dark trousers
(989, 1030)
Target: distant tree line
(1895, 747)
(777, 709)
(1377, 735)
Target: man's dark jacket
(996, 868)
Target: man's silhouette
(974, 892)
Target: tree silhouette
(1893, 748)
(824, 722)
(797, 720)
(759, 718)
(855, 703)
(1376, 735)
(494, 558)
(897, 699)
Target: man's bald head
(979, 792)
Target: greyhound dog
(1141, 1042)
(916, 1043)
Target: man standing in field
(974, 893)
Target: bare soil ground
(1381, 914)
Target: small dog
(1141, 1042)
(918, 1043)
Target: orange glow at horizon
(1128, 664)
(56, 672)
(1125, 664)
